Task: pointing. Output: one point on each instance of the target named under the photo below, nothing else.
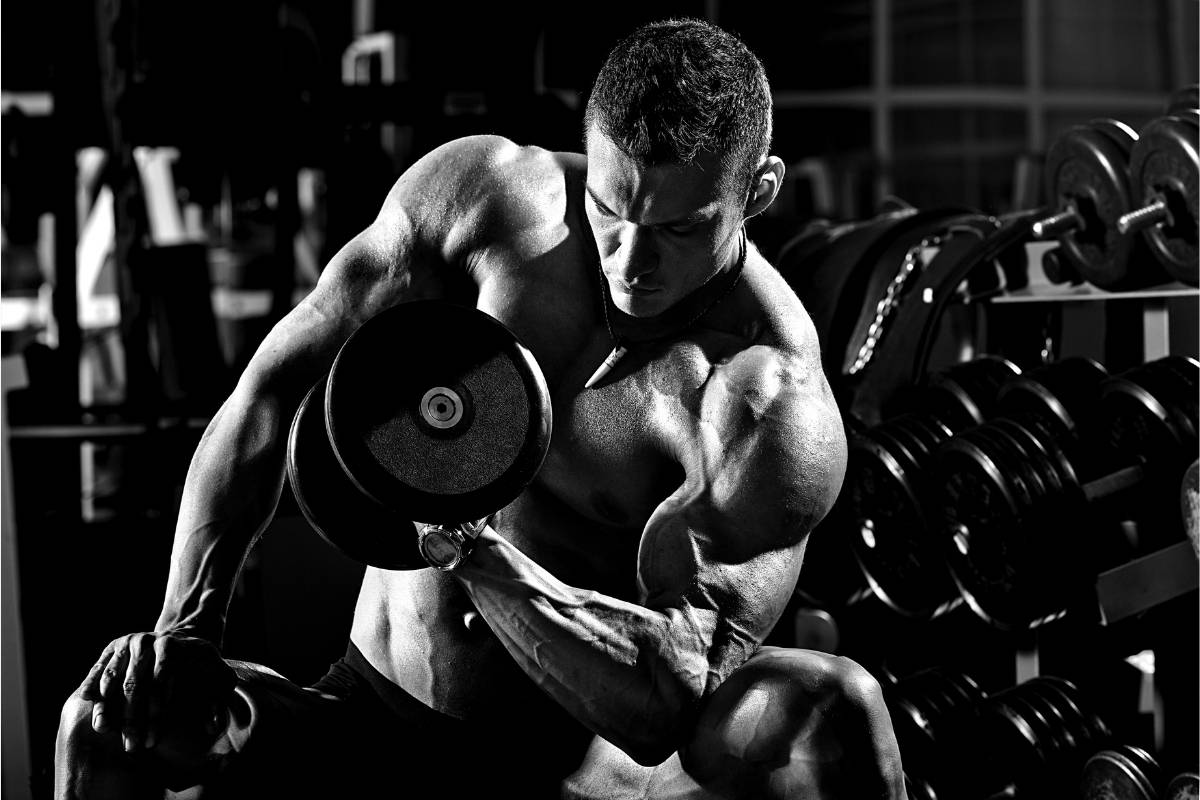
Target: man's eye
(600, 209)
(680, 230)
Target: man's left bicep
(722, 599)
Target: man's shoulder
(468, 192)
(766, 383)
(497, 162)
(776, 422)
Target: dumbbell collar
(445, 547)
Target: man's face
(662, 231)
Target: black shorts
(361, 736)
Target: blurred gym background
(175, 175)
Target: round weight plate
(1075, 728)
(901, 447)
(965, 394)
(1120, 133)
(916, 441)
(1045, 737)
(931, 432)
(913, 728)
(967, 691)
(1165, 165)
(436, 410)
(1181, 390)
(1067, 736)
(1086, 170)
(1145, 763)
(1045, 462)
(1058, 561)
(815, 629)
(335, 508)
(1140, 425)
(1063, 393)
(993, 558)
(1109, 775)
(937, 699)
(1183, 787)
(1073, 703)
(1056, 457)
(918, 788)
(891, 539)
(1013, 753)
(1019, 465)
(1186, 98)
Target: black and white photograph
(661, 400)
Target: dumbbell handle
(1124, 478)
(1144, 217)
(1058, 224)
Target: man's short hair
(678, 89)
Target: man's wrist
(189, 631)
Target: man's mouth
(634, 291)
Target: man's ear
(767, 180)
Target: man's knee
(76, 712)
(799, 719)
(77, 737)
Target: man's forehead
(625, 185)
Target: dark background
(251, 93)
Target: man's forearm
(232, 488)
(629, 673)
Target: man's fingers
(111, 690)
(136, 690)
(99, 680)
(90, 688)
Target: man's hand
(144, 679)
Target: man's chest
(616, 447)
(614, 452)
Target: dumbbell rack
(1137, 586)
(1154, 300)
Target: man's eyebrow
(694, 218)
(596, 199)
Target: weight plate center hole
(441, 407)
(1179, 223)
(1094, 230)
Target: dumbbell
(1025, 741)
(1032, 739)
(1121, 772)
(884, 486)
(1015, 503)
(1062, 394)
(1183, 99)
(1087, 180)
(447, 432)
(1184, 786)
(1164, 170)
(930, 711)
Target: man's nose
(636, 257)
